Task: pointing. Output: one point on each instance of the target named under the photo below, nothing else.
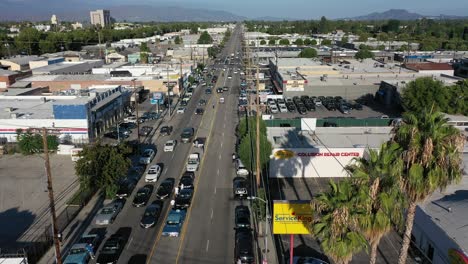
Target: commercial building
(431, 68)
(45, 62)
(100, 18)
(386, 45)
(19, 63)
(434, 56)
(461, 68)
(7, 78)
(81, 117)
(80, 67)
(320, 152)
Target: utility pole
(168, 89)
(258, 129)
(58, 255)
(137, 98)
(100, 48)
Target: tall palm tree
(335, 224)
(431, 157)
(379, 193)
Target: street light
(266, 224)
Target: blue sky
(302, 9)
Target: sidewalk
(75, 229)
(271, 256)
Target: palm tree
(431, 159)
(336, 222)
(379, 193)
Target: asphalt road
(207, 235)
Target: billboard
(292, 217)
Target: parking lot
(24, 199)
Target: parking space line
(129, 243)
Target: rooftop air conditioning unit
(14, 115)
(9, 109)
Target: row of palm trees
(422, 156)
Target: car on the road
(151, 214)
(146, 130)
(170, 145)
(243, 251)
(111, 250)
(229, 76)
(225, 88)
(187, 134)
(108, 213)
(186, 181)
(125, 188)
(240, 188)
(219, 90)
(78, 254)
(180, 110)
(174, 223)
(242, 216)
(142, 196)
(165, 130)
(183, 199)
(153, 173)
(199, 111)
(147, 156)
(201, 102)
(208, 91)
(165, 188)
(116, 135)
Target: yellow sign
(292, 217)
(283, 154)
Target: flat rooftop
(297, 62)
(334, 137)
(33, 107)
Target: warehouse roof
(335, 137)
(23, 60)
(7, 73)
(429, 66)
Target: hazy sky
(294, 8)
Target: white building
(77, 25)
(322, 154)
(80, 116)
(42, 27)
(100, 17)
(54, 20)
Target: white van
(241, 169)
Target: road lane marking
(219, 156)
(165, 170)
(129, 243)
(221, 144)
(218, 172)
(215, 191)
(158, 237)
(207, 245)
(224, 126)
(173, 153)
(212, 213)
(197, 179)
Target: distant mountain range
(400, 14)
(34, 11)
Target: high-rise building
(54, 20)
(100, 17)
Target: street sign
(158, 96)
(292, 217)
(154, 101)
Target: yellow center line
(158, 237)
(184, 228)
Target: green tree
(299, 42)
(258, 206)
(144, 47)
(263, 42)
(30, 143)
(307, 42)
(247, 147)
(424, 92)
(250, 123)
(284, 42)
(194, 29)
(313, 42)
(28, 41)
(144, 57)
(324, 25)
(431, 161)
(205, 38)
(379, 193)
(364, 54)
(178, 40)
(101, 167)
(336, 226)
(271, 42)
(308, 53)
(326, 42)
(344, 40)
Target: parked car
(147, 156)
(78, 254)
(344, 109)
(186, 181)
(127, 125)
(146, 130)
(242, 216)
(174, 223)
(183, 199)
(180, 110)
(108, 213)
(165, 130)
(125, 188)
(165, 188)
(239, 186)
(170, 145)
(153, 173)
(151, 214)
(111, 250)
(142, 196)
(243, 251)
(130, 118)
